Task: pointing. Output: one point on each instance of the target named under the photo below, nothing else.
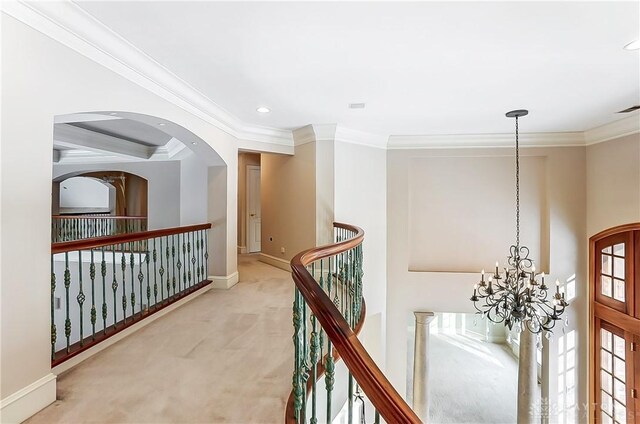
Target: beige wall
(565, 202)
(613, 183)
(244, 159)
(288, 202)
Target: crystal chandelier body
(517, 296)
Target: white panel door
(253, 209)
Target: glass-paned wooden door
(616, 327)
(616, 376)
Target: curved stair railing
(328, 314)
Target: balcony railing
(328, 313)
(78, 227)
(102, 285)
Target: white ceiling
(421, 68)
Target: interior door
(253, 209)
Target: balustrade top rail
(95, 242)
(373, 382)
(97, 216)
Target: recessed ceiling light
(194, 142)
(263, 109)
(356, 105)
(634, 45)
(162, 124)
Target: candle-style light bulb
(557, 286)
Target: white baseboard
(242, 250)
(29, 400)
(277, 262)
(66, 365)
(225, 282)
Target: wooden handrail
(95, 242)
(96, 217)
(375, 385)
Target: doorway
(253, 209)
(614, 258)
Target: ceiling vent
(356, 105)
(630, 109)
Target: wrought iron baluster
(123, 265)
(314, 361)
(67, 284)
(103, 271)
(155, 272)
(206, 254)
(92, 275)
(147, 260)
(80, 298)
(114, 287)
(193, 259)
(185, 263)
(133, 290)
(297, 362)
(173, 256)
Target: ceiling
(421, 68)
(127, 129)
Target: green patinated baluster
(103, 271)
(132, 262)
(206, 254)
(193, 261)
(92, 275)
(114, 286)
(140, 278)
(167, 256)
(155, 271)
(188, 259)
(377, 418)
(321, 330)
(123, 265)
(67, 284)
(185, 262)
(173, 256)
(161, 271)
(198, 253)
(305, 356)
(298, 356)
(147, 260)
(314, 350)
(54, 335)
(80, 298)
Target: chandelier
(517, 296)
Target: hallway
(224, 357)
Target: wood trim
(635, 226)
(373, 382)
(617, 318)
(627, 238)
(90, 341)
(95, 242)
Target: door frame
(593, 325)
(247, 212)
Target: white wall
(84, 193)
(164, 183)
(360, 199)
(565, 204)
(72, 83)
(193, 190)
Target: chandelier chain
(517, 189)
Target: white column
(527, 379)
(421, 365)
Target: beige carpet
(224, 357)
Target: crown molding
(304, 135)
(69, 24)
(456, 141)
(616, 129)
(347, 135)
